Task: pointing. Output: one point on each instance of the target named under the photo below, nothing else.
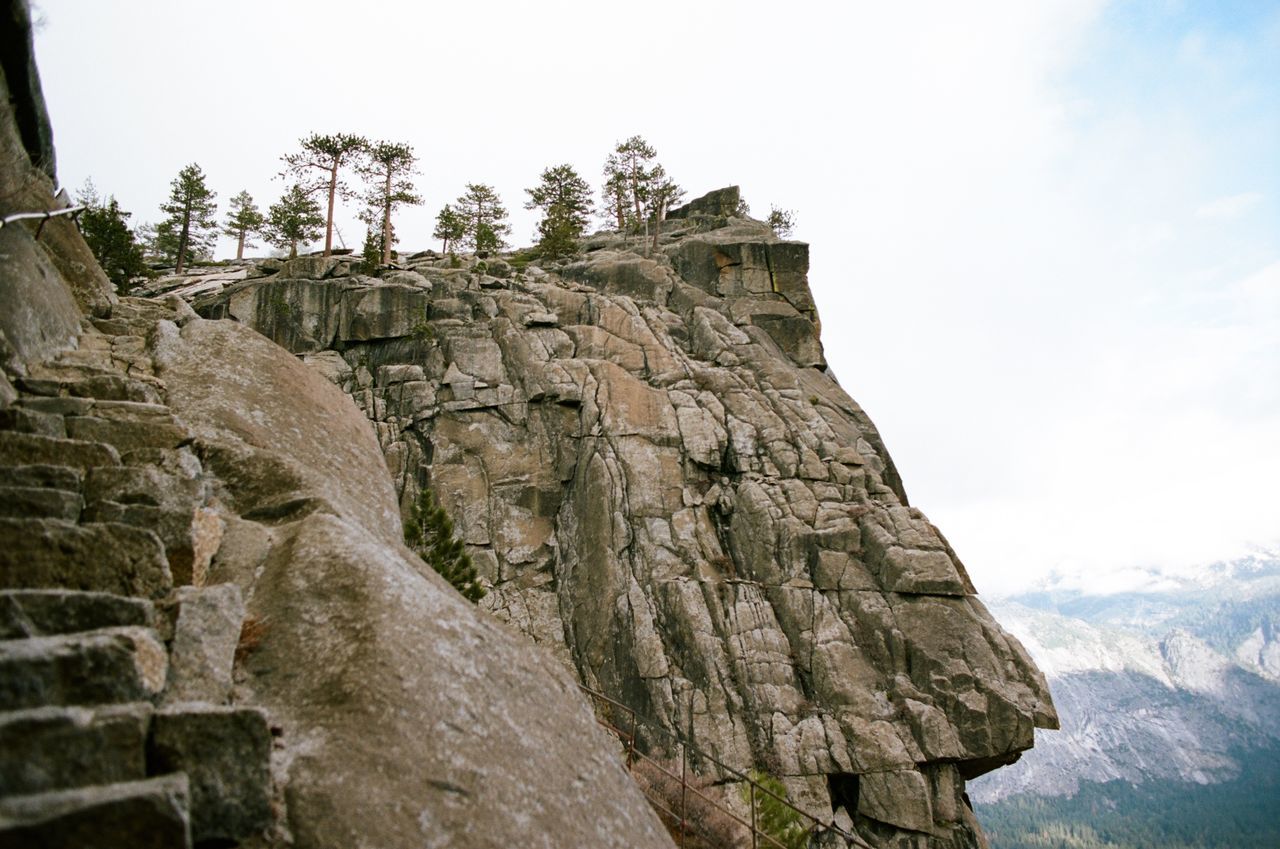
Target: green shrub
(429, 532)
(781, 822)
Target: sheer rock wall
(660, 481)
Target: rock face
(662, 484)
(212, 633)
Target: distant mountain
(1166, 695)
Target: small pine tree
(450, 228)
(485, 218)
(190, 228)
(243, 220)
(107, 233)
(773, 818)
(292, 219)
(783, 221)
(565, 201)
(429, 532)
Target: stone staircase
(116, 727)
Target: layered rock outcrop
(661, 482)
(211, 631)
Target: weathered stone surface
(99, 667)
(225, 753)
(204, 643)
(98, 557)
(22, 449)
(34, 613)
(56, 748)
(438, 716)
(650, 466)
(149, 814)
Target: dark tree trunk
(184, 237)
(386, 222)
(328, 229)
(240, 246)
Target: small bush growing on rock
(773, 818)
(429, 532)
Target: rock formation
(662, 483)
(213, 632)
(210, 628)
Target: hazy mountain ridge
(1162, 685)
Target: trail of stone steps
(116, 728)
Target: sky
(1045, 236)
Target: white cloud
(1230, 207)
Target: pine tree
(243, 220)
(450, 228)
(107, 233)
(292, 219)
(629, 174)
(386, 167)
(485, 218)
(565, 201)
(317, 169)
(783, 221)
(614, 194)
(779, 821)
(429, 532)
(190, 227)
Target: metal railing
(41, 215)
(628, 731)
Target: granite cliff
(663, 484)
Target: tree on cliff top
(243, 220)
(190, 225)
(783, 221)
(631, 167)
(292, 219)
(485, 217)
(386, 167)
(450, 228)
(565, 201)
(317, 168)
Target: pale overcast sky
(1045, 235)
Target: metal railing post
(755, 833)
(631, 741)
(684, 788)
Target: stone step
(42, 613)
(127, 435)
(59, 748)
(84, 382)
(96, 557)
(27, 449)
(26, 420)
(149, 814)
(226, 752)
(112, 665)
(26, 502)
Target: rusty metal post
(684, 786)
(631, 741)
(755, 833)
